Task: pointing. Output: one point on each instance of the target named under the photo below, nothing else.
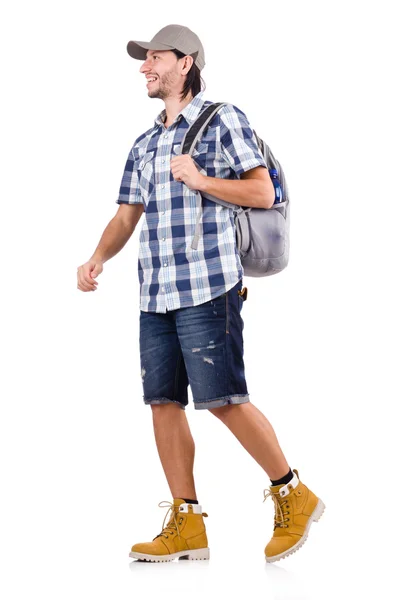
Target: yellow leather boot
(184, 536)
(296, 507)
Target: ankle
(285, 479)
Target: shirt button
(163, 239)
(141, 165)
(163, 161)
(165, 264)
(166, 135)
(162, 289)
(163, 213)
(163, 186)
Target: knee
(222, 412)
(165, 407)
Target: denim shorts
(200, 346)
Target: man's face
(164, 66)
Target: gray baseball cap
(171, 37)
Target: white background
(80, 474)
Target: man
(191, 299)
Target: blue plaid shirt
(171, 274)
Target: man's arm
(118, 231)
(254, 188)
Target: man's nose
(145, 66)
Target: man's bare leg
(256, 434)
(176, 448)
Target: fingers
(85, 282)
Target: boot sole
(315, 516)
(199, 554)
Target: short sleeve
(129, 189)
(238, 140)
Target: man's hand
(183, 168)
(86, 274)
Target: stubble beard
(163, 90)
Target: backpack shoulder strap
(196, 130)
(193, 134)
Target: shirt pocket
(200, 148)
(145, 169)
(200, 155)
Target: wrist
(97, 258)
(203, 183)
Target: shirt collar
(190, 112)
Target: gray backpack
(262, 235)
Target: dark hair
(193, 80)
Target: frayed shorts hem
(205, 404)
(236, 399)
(163, 401)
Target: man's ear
(187, 64)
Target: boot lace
(280, 512)
(172, 525)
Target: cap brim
(138, 49)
